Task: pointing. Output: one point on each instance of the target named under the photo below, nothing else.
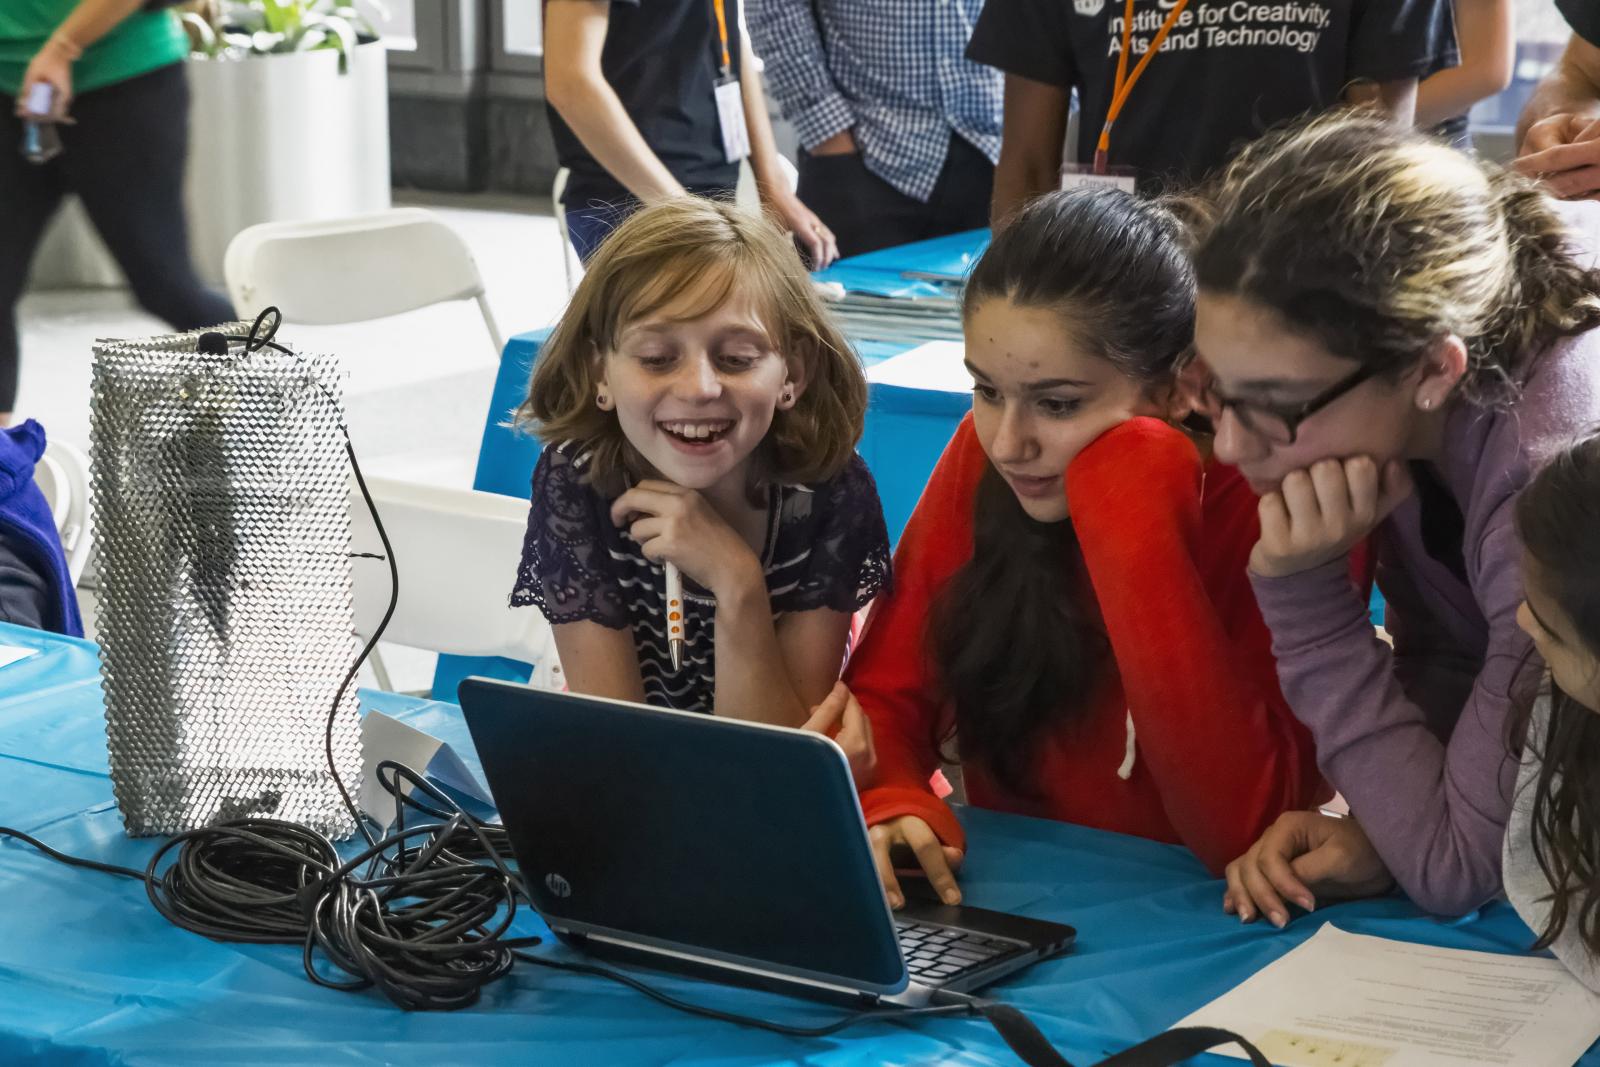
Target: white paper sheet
(1349, 1000)
(937, 365)
(10, 654)
(386, 738)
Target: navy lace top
(826, 547)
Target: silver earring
(1427, 405)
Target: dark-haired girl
(1071, 599)
(1552, 850)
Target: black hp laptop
(725, 849)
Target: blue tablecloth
(931, 268)
(90, 974)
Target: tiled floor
(417, 386)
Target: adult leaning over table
(1398, 336)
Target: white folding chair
(62, 474)
(354, 269)
(457, 551)
(558, 206)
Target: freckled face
(696, 396)
(1039, 397)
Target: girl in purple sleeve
(1398, 337)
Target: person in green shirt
(122, 104)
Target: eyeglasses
(1278, 423)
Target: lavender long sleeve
(1435, 809)
(1416, 737)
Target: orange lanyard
(1124, 83)
(722, 33)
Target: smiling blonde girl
(699, 408)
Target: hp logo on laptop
(558, 885)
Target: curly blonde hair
(690, 245)
(1376, 240)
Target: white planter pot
(271, 138)
(280, 138)
(72, 256)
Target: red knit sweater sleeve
(1210, 725)
(889, 671)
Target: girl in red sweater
(1071, 602)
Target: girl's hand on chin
(676, 525)
(1318, 515)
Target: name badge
(730, 116)
(1079, 175)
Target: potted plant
(289, 120)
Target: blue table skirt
(91, 974)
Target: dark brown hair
(1016, 646)
(691, 244)
(1558, 517)
(1375, 241)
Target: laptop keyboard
(938, 954)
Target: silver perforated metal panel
(225, 625)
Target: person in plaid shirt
(900, 130)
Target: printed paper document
(1349, 1000)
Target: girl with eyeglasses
(1398, 337)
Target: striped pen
(675, 616)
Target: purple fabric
(1417, 738)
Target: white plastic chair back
(354, 269)
(558, 206)
(51, 480)
(457, 552)
(748, 196)
(62, 474)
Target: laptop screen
(690, 833)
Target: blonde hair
(1377, 241)
(662, 252)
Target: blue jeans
(588, 226)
